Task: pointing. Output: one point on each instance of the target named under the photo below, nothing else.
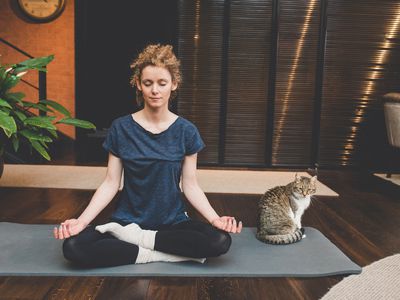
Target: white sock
(131, 233)
(147, 255)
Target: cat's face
(305, 186)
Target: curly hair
(160, 56)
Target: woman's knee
(71, 250)
(221, 244)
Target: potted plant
(18, 124)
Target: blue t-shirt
(151, 196)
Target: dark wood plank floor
(363, 222)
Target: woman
(155, 148)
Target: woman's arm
(198, 199)
(101, 198)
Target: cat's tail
(280, 239)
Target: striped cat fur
(280, 211)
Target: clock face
(42, 10)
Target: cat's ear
(297, 177)
(313, 179)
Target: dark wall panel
(108, 36)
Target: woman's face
(156, 86)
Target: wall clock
(42, 10)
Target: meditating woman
(156, 149)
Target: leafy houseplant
(18, 125)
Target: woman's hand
(227, 224)
(68, 228)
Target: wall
(56, 37)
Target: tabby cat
(280, 210)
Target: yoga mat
(90, 178)
(30, 250)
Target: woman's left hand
(227, 224)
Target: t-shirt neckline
(152, 133)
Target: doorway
(109, 35)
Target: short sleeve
(194, 144)
(111, 142)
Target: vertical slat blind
(295, 82)
(200, 42)
(361, 63)
(248, 60)
(358, 70)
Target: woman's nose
(154, 89)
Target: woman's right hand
(68, 228)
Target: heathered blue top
(151, 196)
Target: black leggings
(189, 238)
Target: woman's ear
(138, 86)
(174, 86)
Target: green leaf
(44, 118)
(37, 106)
(44, 144)
(8, 124)
(42, 122)
(33, 135)
(53, 132)
(20, 69)
(15, 142)
(3, 72)
(77, 123)
(37, 63)
(4, 112)
(20, 115)
(57, 106)
(39, 148)
(15, 97)
(9, 82)
(4, 103)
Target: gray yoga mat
(30, 250)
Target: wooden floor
(363, 222)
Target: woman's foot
(147, 256)
(131, 233)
